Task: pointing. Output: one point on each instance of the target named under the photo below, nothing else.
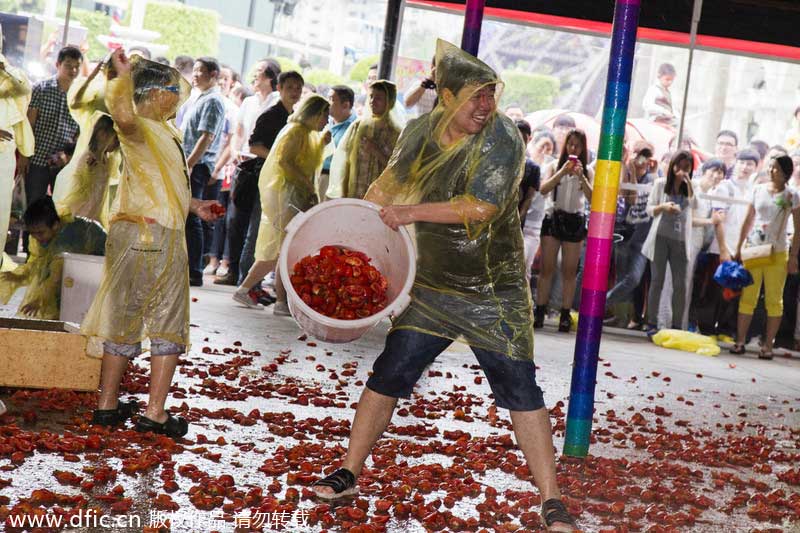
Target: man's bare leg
(112, 370)
(372, 417)
(257, 272)
(535, 439)
(162, 369)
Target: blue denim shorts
(407, 353)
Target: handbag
(244, 183)
(757, 256)
(760, 255)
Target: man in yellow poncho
(458, 169)
(41, 273)
(286, 186)
(144, 293)
(82, 187)
(15, 134)
(365, 149)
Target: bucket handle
(296, 221)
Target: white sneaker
(222, 271)
(281, 309)
(3, 408)
(247, 299)
(269, 281)
(209, 270)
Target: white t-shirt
(251, 109)
(705, 208)
(772, 215)
(568, 195)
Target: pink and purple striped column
(601, 228)
(473, 18)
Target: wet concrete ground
(703, 443)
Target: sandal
(553, 511)
(113, 417)
(343, 483)
(174, 427)
(766, 355)
(565, 321)
(737, 349)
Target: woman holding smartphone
(566, 186)
(670, 238)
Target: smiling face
(473, 115)
(725, 148)
(714, 176)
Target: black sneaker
(263, 297)
(539, 312)
(565, 322)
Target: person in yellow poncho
(15, 134)
(82, 187)
(286, 187)
(144, 292)
(457, 172)
(366, 147)
(41, 274)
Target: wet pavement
(681, 442)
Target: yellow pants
(773, 275)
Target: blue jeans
(248, 256)
(407, 353)
(219, 229)
(630, 264)
(196, 234)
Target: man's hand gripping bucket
(355, 225)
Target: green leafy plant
(97, 24)
(529, 91)
(288, 64)
(361, 68)
(317, 76)
(186, 30)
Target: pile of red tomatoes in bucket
(340, 283)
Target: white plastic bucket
(79, 283)
(356, 225)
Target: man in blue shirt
(341, 116)
(202, 128)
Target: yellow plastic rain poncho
(286, 182)
(365, 149)
(42, 272)
(15, 94)
(144, 292)
(470, 281)
(82, 187)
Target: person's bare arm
(200, 147)
(77, 99)
(259, 150)
(119, 94)
(795, 248)
(413, 97)
(530, 194)
(455, 212)
(746, 227)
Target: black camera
(428, 83)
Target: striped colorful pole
(473, 18)
(601, 228)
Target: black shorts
(571, 229)
(407, 353)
